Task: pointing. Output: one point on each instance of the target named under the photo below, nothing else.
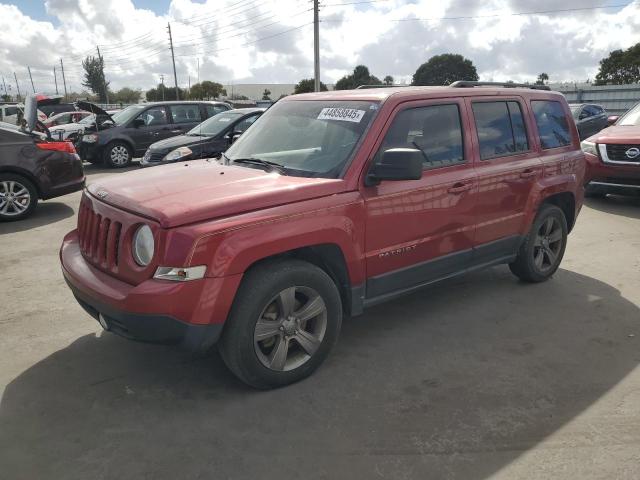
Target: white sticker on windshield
(344, 114)
(224, 120)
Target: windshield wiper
(260, 162)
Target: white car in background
(73, 131)
(65, 117)
(10, 112)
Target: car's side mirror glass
(396, 164)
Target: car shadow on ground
(454, 381)
(91, 169)
(45, 213)
(626, 206)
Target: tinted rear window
(500, 127)
(553, 126)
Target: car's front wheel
(18, 197)
(118, 155)
(285, 319)
(542, 250)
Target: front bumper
(190, 314)
(611, 178)
(88, 151)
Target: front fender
(234, 249)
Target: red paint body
(229, 217)
(624, 174)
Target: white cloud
(245, 41)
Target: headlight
(178, 274)
(143, 245)
(177, 154)
(90, 138)
(589, 147)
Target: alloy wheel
(119, 155)
(14, 198)
(290, 329)
(548, 244)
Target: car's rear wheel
(18, 197)
(284, 322)
(542, 250)
(118, 155)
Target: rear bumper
(64, 189)
(190, 314)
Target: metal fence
(616, 99)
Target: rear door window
(500, 128)
(215, 109)
(189, 113)
(552, 123)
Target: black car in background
(207, 140)
(590, 118)
(34, 166)
(118, 140)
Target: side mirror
(397, 164)
(137, 123)
(232, 136)
(611, 119)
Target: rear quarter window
(552, 123)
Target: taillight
(58, 146)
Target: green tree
(6, 98)
(542, 79)
(207, 90)
(265, 94)
(94, 77)
(621, 67)
(360, 76)
(444, 69)
(126, 95)
(388, 80)
(307, 85)
(156, 94)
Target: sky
(271, 41)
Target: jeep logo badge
(632, 152)
(101, 194)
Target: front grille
(618, 153)
(99, 237)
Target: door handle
(460, 187)
(528, 173)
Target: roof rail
(469, 84)
(362, 87)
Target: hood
(617, 134)
(90, 107)
(183, 193)
(172, 143)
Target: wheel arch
(26, 174)
(566, 201)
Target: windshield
(88, 119)
(308, 138)
(632, 117)
(575, 110)
(128, 114)
(214, 125)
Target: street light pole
(316, 47)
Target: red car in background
(613, 157)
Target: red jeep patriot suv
(329, 203)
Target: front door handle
(528, 173)
(460, 187)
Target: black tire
(527, 265)
(260, 290)
(592, 191)
(12, 210)
(118, 154)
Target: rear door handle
(460, 187)
(528, 173)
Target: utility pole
(104, 78)
(34, 88)
(162, 84)
(173, 60)
(17, 86)
(189, 88)
(5, 86)
(64, 82)
(55, 78)
(316, 47)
